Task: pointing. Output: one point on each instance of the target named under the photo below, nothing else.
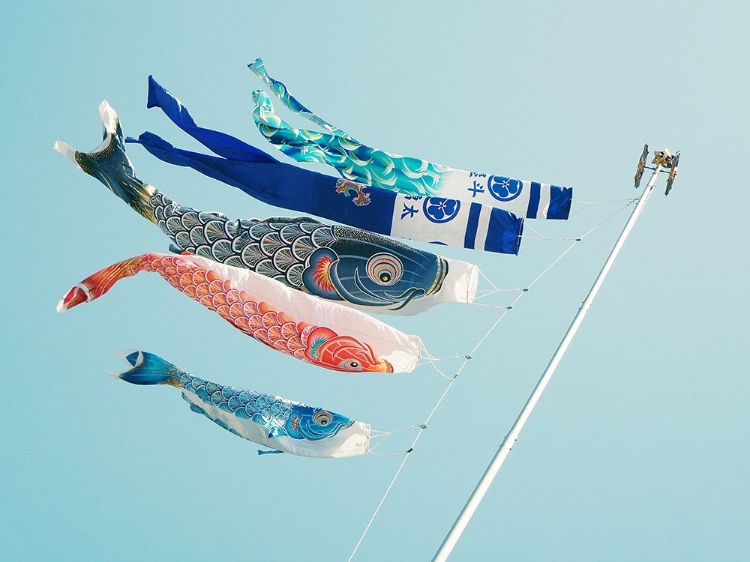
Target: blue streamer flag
(404, 174)
(277, 423)
(428, 219)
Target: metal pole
(502, 453)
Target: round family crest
(504, 189)
(438, 209)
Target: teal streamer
(289, 100)
(354, 160)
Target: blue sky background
(638, 450)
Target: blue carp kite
(339, 263)
(427, 219)
(277, 423)
(404, 174)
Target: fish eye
(322, 417)
(385, 269)
(351, 365)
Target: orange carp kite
(311, 329)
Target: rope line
(382, 436)
(583, 202)
(422, 429)
(466, 358)
(610, 217)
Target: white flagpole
(502, 453)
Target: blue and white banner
(454, 223)
(528, 199)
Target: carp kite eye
(351, 365)
(322, 417)
(385, 269)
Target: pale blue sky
(638, 450)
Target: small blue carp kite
(276, 423)
(427, 219)
(404, 174)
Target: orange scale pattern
(262, 321)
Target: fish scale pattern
(277, 248)
(269, 411)
(314, 344)
(278, 416)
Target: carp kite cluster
(300, 286)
